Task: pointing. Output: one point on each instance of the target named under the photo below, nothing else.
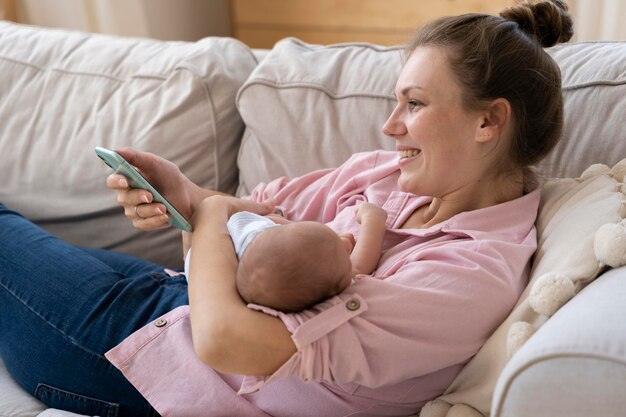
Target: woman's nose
(394, 127)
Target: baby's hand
(370, 212)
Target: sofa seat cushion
(62, 93)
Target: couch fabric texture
(305, 107)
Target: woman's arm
(227, 335)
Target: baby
(291, 266)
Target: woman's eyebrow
(408, 88)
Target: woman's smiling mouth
(408, 153)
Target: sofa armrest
(575, 364)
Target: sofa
(231, 117)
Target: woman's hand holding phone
(139, 205)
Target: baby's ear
(348, 241)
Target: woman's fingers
(144, 211)
(151, 223)
(117, 182)
(133, 197)
(138, 206)
(138, 203)
(145, 162)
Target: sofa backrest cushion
(310, 106)
(594, 95)
(62, 93)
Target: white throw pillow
(309, 106)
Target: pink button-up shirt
(389, 342)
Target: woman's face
(434, 133)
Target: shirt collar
(511, 220)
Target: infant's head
(294, 266)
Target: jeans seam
(65, 336)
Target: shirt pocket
(65, 400)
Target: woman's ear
(495, 120)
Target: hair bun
(549, 21)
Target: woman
(478, 102)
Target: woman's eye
(413, 104)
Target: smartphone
(136, 180)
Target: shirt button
(160, 323)
(353, 304)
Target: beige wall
(261, 23)
(599, 19)
(8, 10)
(160, 19)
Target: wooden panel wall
(260, 23)
(8, 10)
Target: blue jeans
(62, 307)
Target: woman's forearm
(227, 335)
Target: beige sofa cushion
(62, 93)
(310, 106)
(594, 88)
